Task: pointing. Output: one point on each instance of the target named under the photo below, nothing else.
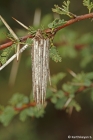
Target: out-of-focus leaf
(18, 100)
(69, 89)
(56, 78)
(59, 99)
(7, 115)
(54, 99)
(49, 93)
(61, 102)
(54, 54)
(83, 79)
(23, 115)
(29, 41)
(35, 112)
(5, 54)
(73, 103)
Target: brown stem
(8, 44)
(71, 21)
(32, 104)
(49, 31)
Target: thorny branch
(71, 21)
(48, 31)
(33, 104)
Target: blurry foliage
(63, 91)
(6, 53)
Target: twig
(48, 31)
(8, 44)
(32, 104)
(13, 57)
(71, 21)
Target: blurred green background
(56, 124)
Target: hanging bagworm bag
(40, 67)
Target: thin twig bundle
(40, 67)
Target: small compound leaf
(5, 54)
(57, 22)
(23, 115)
(88, 4)
(74, 104)
(7, 115)
(61, 102)
(71, 89)
(18, 100)
(35, 112)
(54, 54)
(29, 41)
(54, 99)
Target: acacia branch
(33, 104)
(71, 21)
(48, 31)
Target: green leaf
(7, 115)
(59, 99)
(89, 75)
(85, 61)
(64, 10)
(29, 41)
(71, 89)
(83, 79)
(57, 22)
(66, 5)
(32, 30)
(49, 93)
(54, 99)
(60, 94)
(88, 4)
(23, 115)
(18, 100)
(74, 104)
(34, 111)
(5, 54)
(31, 112)
(54, 54)
(61, 102)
